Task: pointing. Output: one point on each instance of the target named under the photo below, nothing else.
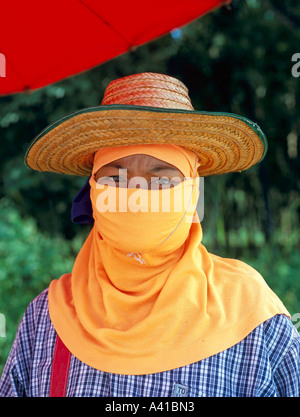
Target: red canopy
(42, 42)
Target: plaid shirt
(264, 364)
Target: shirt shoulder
(283, 344)
(29, 339)
(35, 316)
(279, 335)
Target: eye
(111, 179)
(162, 182)
(115, 178)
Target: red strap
(60, 369)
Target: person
(147, 311)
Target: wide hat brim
(224, 142)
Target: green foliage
(282, 277)
(29, 261)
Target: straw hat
(147, 108)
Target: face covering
(145, 295)
(141, 221)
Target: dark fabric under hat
(82, 212)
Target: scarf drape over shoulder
(145, 295)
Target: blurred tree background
(236, 59)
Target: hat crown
(148, 89)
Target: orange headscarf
(144, 295)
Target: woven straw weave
(223, 142)
(155, 90)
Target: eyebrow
(162, 168)
(154, 169)
(112, 165)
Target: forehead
(142, 160)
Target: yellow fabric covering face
(145, 295)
